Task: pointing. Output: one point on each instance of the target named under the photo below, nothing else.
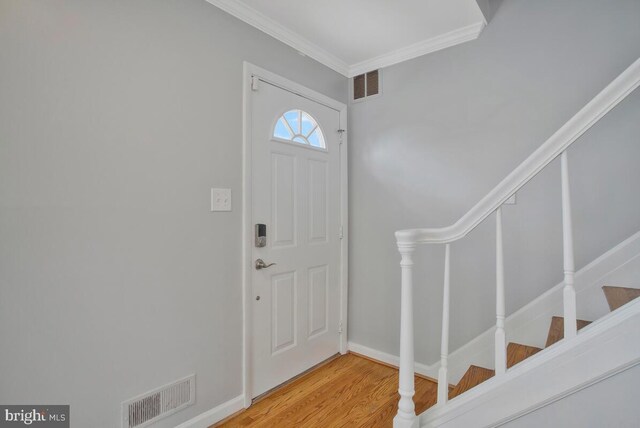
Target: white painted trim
(293, 87)
(267, 25)
(276, 30)
(439, 42)
(344, 218)
(246, 233)
(570, 391)
(218, 413)
(599, 351)
(250, 70)
(600, 105)
(484, 9)
(480, 350)
(392, 360)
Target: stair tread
(474, 376)
(517, 352)
(556, 329)
(619, 296)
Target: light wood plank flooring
(349, 391)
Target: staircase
(516, 353)
(523, 376)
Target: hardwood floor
(349, 391)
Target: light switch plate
(220, 199)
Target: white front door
(295, 150)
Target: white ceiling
(354, 36)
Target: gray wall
(116, 118)
(450, 125)
(609, 403)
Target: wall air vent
(146, 409)
(366, 85)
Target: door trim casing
(250, 70)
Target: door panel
(318, 208)
(296, 194)
(283, 313)
(284, 199)
(318, 300)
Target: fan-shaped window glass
(299, 127)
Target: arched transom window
(299, 127)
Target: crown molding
(424, 47)
(267, 25)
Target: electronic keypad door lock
(261, 235)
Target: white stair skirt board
(530, 324)
(218, 413)
(601, 350)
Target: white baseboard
(392, 360)
(530, 324)
(218, 413)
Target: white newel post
(501, 342)
(443, 382)
(406, 416)
(569, 291)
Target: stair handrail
(408, 239)
(600, 105)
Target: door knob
(260, 264)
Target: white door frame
(247, 201)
